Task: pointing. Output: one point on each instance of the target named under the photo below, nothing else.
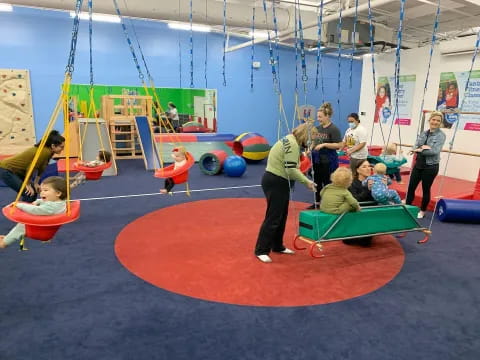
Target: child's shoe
(421, 214)
(287, 251)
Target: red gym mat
(451, 188)
(204, 249)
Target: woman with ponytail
(14, 169)
(324, 151)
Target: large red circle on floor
(204, 249)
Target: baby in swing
(53, 192)
(102, 158)
(379, 186)
(390, 157)
(179, 155)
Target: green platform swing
(316, 227)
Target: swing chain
(73, 44)
(127, 37)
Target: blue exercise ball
(234, 166)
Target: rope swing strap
(339, 36)
(224, 41)
(319, 69)
(62, 102)
(355, 18)
(252, 47)
(372, 56)
(397, 73)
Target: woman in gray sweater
(427, 148)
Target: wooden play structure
(119, 112)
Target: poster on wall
(385, 100)
(451, 93)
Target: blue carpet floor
(71, 299)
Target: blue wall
(39, 40)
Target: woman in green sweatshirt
(282, 169)
(14, 169)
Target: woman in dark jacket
(361, 194)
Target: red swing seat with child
(179, 175)
(42, 227)
(92, 172)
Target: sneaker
(287, 251)
(421, 215)
(264, 258)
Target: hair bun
(327, 109)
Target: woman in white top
(355, 140)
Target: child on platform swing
(179, 155)
(336, 198)
(53, 192)
(380, 191)
(102, 158)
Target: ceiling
(457, 18)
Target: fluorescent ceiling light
(186, 26)
(259, 34)
(6, 7)
(475, 2)
(97, 17)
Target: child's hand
(370, 184)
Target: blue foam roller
(459, 210)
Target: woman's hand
(29, 190)
(319, 147)
(312, 186)
(425, 147)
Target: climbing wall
(17, 131)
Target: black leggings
(14, 182)
(277, 192)
(321, 177)
(426, 176)
(169, 184)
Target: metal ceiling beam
(326, 19)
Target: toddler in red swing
(53, 194)
(103, 157)
(179, 155)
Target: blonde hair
(181, 150)
(380, 168)
(436, 113)
(342, 177)
(326, 109)
(390, 149)
(304, 132)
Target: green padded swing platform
(316, 227)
